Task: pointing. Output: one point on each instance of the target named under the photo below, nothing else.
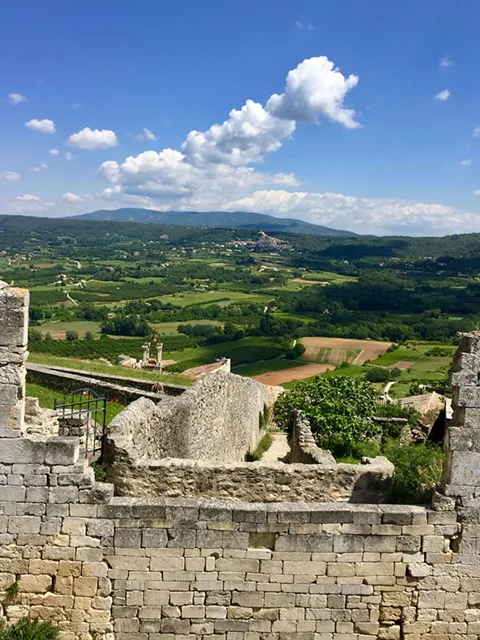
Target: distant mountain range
(218, 219)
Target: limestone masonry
(134, 568)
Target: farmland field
(338, 350)
(170, 328)
(222, 298)
(266, 366)
(295, 373)
(58, 329)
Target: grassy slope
(98, 367)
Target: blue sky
(357, 114)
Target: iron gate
(82, 413)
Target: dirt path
(278, 450)
(295, 373)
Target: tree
(339, 409)
(377, 374)
(295, 352)
(71, 335)
(35, 334)
(89, 336)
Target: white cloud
(45, 126)
(27, 204)
(16, 98)
(70, 156)
(315, 88)
(446, 62)
(247, 136)
(28, 198)
(76, 105)
(9, 175)
(72, 197)
(466, 163)
(365, 215)
(304, 25)
(39, 168)
(476, 132)
(92, 140)
(146, 135)
(54, 152)
(443, 95)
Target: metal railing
(82, 413)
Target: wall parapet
(257, 481)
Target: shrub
(26, 629)
(100, 472)
(418, 470)
(339, 409)
(71, 335)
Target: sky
(355, 114)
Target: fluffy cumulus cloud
(315, 88)
(69, 156)
(442, 95)
(466, 163)
(44, 126)
(476, 132)
(248, 135)
(16, 98)
(72, 197)
(54, 152)
(9, 175)
(146, 135)
(93, 139)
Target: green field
(58, 329)
(246, 350)
(113, 370)
(222, 298)
(329, 276)
(170, 328)
(265, 366)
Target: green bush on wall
(26, 629)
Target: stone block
(22, 450)
(62, 451)
(465, 468)
(154, 538)
(128, 538)
(309, 542)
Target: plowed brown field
(295, 373)
(337, 350)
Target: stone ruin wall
(312, 474)
(104, 567)
(217, 419)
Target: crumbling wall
(303, 447)
(216, 419)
